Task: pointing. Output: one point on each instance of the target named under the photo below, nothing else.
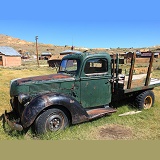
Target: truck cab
(92, 74)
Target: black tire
(145, 100)
(50, 121)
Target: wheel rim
(148, 102)
(54, 122)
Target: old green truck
(83, 89)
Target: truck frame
(84, 88)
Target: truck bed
(134, 81)
(154, 82)
(137, 80)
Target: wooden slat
(138, 60)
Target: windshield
(69, 66)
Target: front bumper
(13, 125)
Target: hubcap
(148, 102)
(54, 122)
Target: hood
(40, 84)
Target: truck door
(95, 85)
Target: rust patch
(93, 113)
(43, 78)
(46, 100)
(115, 132)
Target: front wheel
(50, 121)
(145, 100)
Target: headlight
(23, 98)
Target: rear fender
(41, 102)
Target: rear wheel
(145, 100)
(50, 121)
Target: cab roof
(85, 55)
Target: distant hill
(23, 46)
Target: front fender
(41, 102)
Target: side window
(96, 66)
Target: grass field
(143, 126)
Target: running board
(99, 112)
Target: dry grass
(7, 74)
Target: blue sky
(93, 24)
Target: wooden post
(36, 38)
(149, 69)
(131, 71)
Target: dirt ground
(114, 132)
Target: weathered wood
(138, 60)
(149, 70)
(142, 60)
(129, 113)
(137, 80)
(131, 71)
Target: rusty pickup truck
(83, 89)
